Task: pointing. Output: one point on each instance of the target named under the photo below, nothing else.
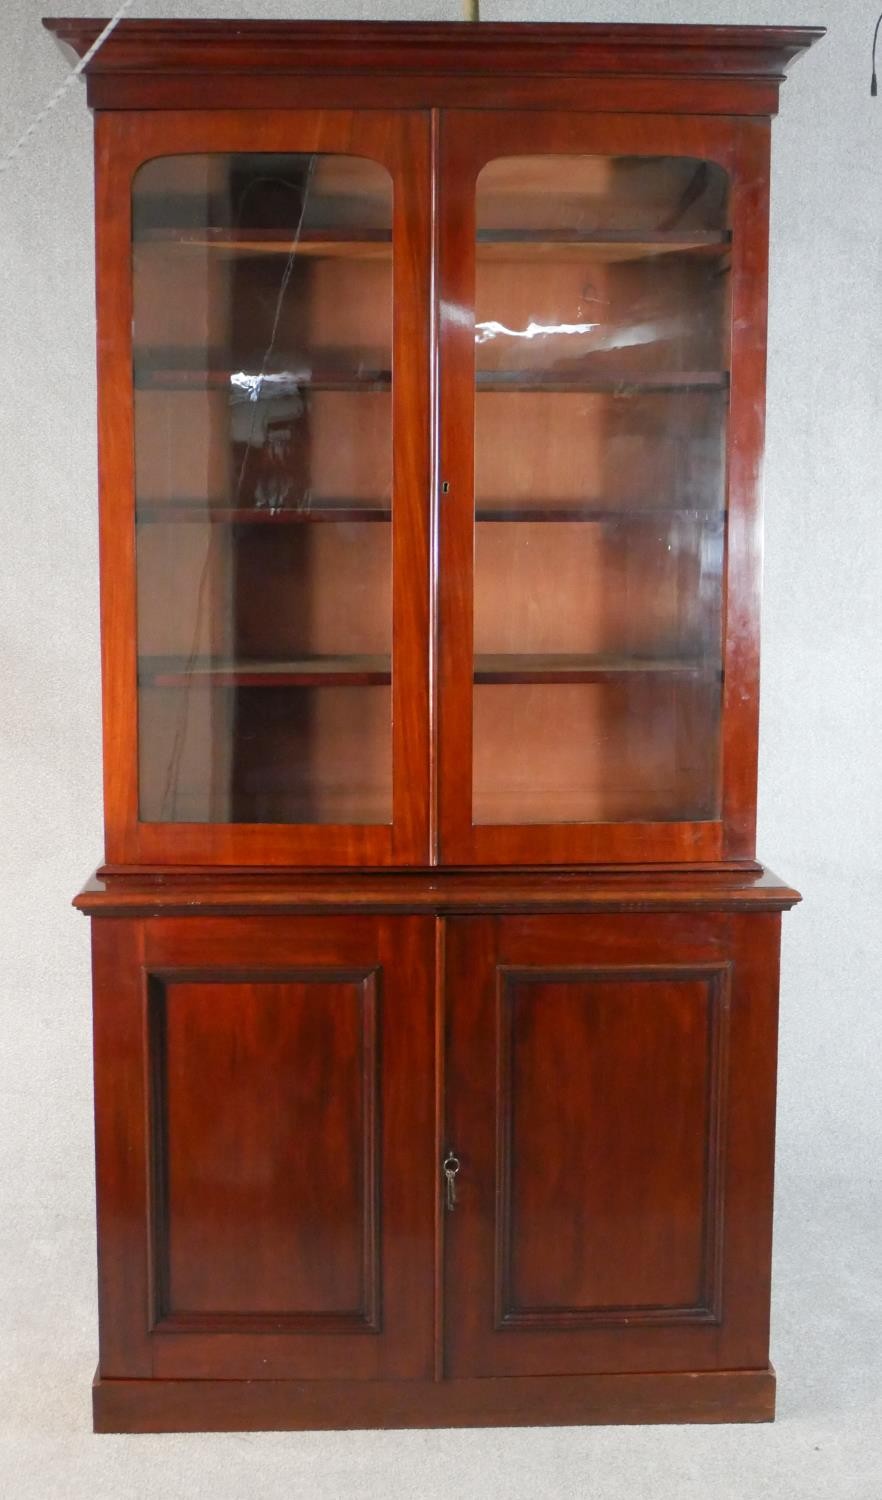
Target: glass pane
(263, 428)
(602, 311)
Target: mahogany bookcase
(435, 977)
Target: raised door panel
(604, 1212)
(610, 1093)
(264, 1138)
(272, 1138)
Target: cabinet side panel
(750, 269)
(115, 478)
(750, 1155)
(121, 1147)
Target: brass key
(450, 1166)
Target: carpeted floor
(825, 1445)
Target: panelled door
(264, 316)
(610, 1123)
(266, 1147)
(271, 1179)
(601, 329)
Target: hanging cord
(36, 122)
(874, 82)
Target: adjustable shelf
(607, 246)
(184, 377)
(601, 382)
(595, 514)
(566, 668)
(177, 511)
(330, 242)
(373, 671)
(600, 247)
(181, 377)
(307, 671)
(197, 511)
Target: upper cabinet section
(431, 379)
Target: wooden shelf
(604, 246)
(607, 246)
(191, 378)
(602, 382)
(307, 671)
(183, 377)
(371, 671)
(177, 511)
(590, 513)
(494, 670)
(331, 242)
(197, 511)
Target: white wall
(820, 823)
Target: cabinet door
(263, 305)
(601, 306)
(265, 1146)
(611, 1105)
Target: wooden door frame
(741, 146)
(736, 956)
(392, 1335)
(400, 141)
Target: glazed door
(610, 1116)
(601, 305)
(264, 318)
(265, 1147)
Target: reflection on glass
(262, 353)
(601, 353)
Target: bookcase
(435, 975)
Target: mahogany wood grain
(750, 269)
(400, 142)
(457, 49)
(687, 95)
(121, 1150)
(611, 1099)
(266, 1094)
(468, 143)
(294, 1024)
(144, 893)
(265, 1132)
(265, 65)
(525, 1401)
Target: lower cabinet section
(277, 1098)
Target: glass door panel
(601, 367)
(263, 452)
